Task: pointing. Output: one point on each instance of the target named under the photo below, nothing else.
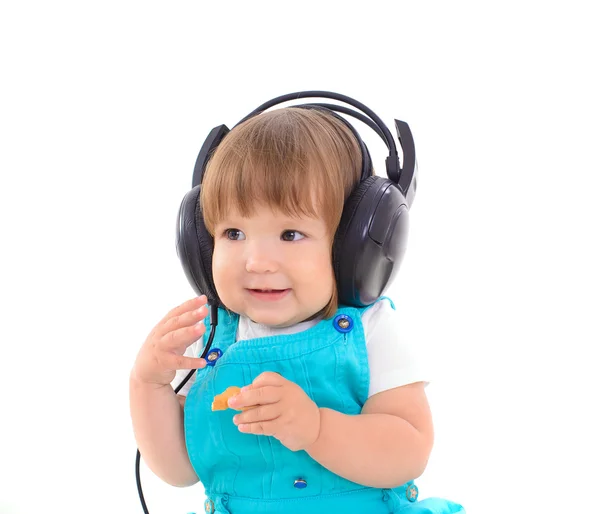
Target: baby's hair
(298, 161)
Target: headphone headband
(350, 112)
(366, 165)
(334, 96)
(404, 177)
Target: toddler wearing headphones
(335, 416)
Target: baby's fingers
(188, 306)
(175, 362)
(178, 340)
(186, 319)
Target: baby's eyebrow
(229, 221)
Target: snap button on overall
(213, 356)
(343, 323)
(209, 506)
(412, 492)
(300, 483)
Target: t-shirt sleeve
(194, 350)
(393, 360)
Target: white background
(104, 107)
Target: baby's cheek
(225, 281)
(320, 281)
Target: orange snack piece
(220, 401)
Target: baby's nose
(261, 260)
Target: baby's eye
(234, 234)
(292, 235)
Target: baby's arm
(157, 417)
(387, 445)
(156, 411)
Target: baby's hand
(162, 352)
(283, 410)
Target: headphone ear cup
(370, 241)
(195, 246)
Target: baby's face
(274, 269)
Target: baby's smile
(269, 295)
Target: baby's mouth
(269, 294)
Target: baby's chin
(277, 314)
(272, 321)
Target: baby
(297, 240)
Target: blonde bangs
(301, 162)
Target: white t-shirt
(393, 361)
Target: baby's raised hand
(162, 352)
(283, 410)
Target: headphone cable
(214, 321)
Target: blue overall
(255, 474)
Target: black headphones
(371, 238)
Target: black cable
(214, 321)
(139, 483)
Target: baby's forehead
(264, 211)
